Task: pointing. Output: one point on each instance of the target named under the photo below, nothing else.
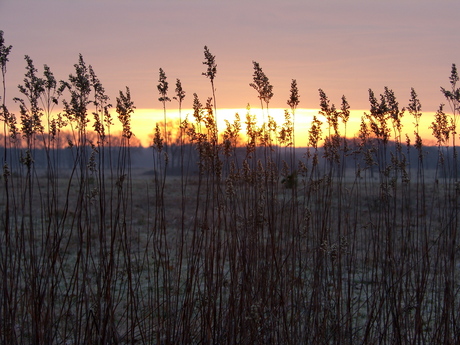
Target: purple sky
(343, 47)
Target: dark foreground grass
(236, 259)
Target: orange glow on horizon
(144, 121)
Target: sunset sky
(344, 47)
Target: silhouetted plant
(31, 114)
(163, 87)
(211, 71)
(180, 96)
(453, 99)
(125, 108)
(415, 109)
(332, 141)
(102, 116)
(453, 95)
(79, 87)
(262, 85)
(294, 96)
(344, 114)
(8, 302)
(8, 118)
(378, 117)
(293, 101)
(4, 52)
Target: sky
(343, 47)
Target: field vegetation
(247, 240)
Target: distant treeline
(186, 156)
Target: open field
(242, 259)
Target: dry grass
(323, 262)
